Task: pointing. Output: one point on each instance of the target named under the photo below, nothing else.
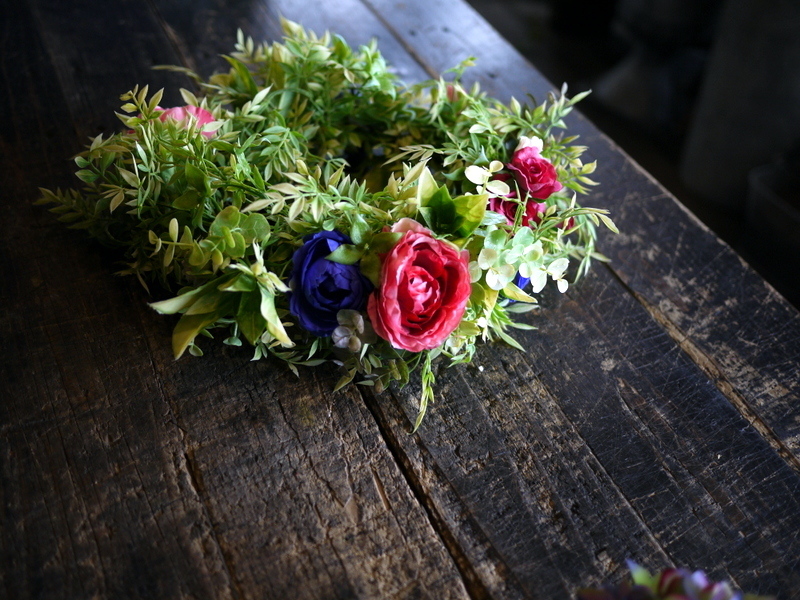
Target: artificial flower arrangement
(313, 206)
(669, 584)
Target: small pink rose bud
(181, 114)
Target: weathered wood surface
(655, 415)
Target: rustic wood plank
(604, 449)
(305, 499)
(92, 47)
(659, 444)
(202, 35)
(447, 33)
(125, 473)
(737, 328)
(603, 442)
(79, 416)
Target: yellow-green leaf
(187, 329)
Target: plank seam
(472, 582)
(716, 374)
(471, 579)
(595, 465)
(402, 40)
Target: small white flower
(557, 267)
(538, 280)
(498, 188)
(556, 270)
(475, 272)
(529, 142)
(477, 175)
(482, 177)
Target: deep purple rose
(520, 281)
(321, 287)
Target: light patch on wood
(608, 364)
(381, 492)
(351, 509)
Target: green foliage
(310, 134)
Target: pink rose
(181, 114)
(424, 290)
(534, 211)
(534, 173)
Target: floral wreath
(315, 207)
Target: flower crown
(313, 206)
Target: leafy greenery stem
(428, 379)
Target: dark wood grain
(577, 441)
(124, 473)
(735, 387)
(83, 515)
(654, 416)
(735, 325)
(87, 43)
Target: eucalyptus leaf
(198, 256)
(188, 200)
(254, 227)
(238, 247)
(228, 217)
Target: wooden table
(655, 415)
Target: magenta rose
(533, 172)
(181, 114)
(423, 292)
(534, 211)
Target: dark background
(704, 94)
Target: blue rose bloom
(321, 287)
